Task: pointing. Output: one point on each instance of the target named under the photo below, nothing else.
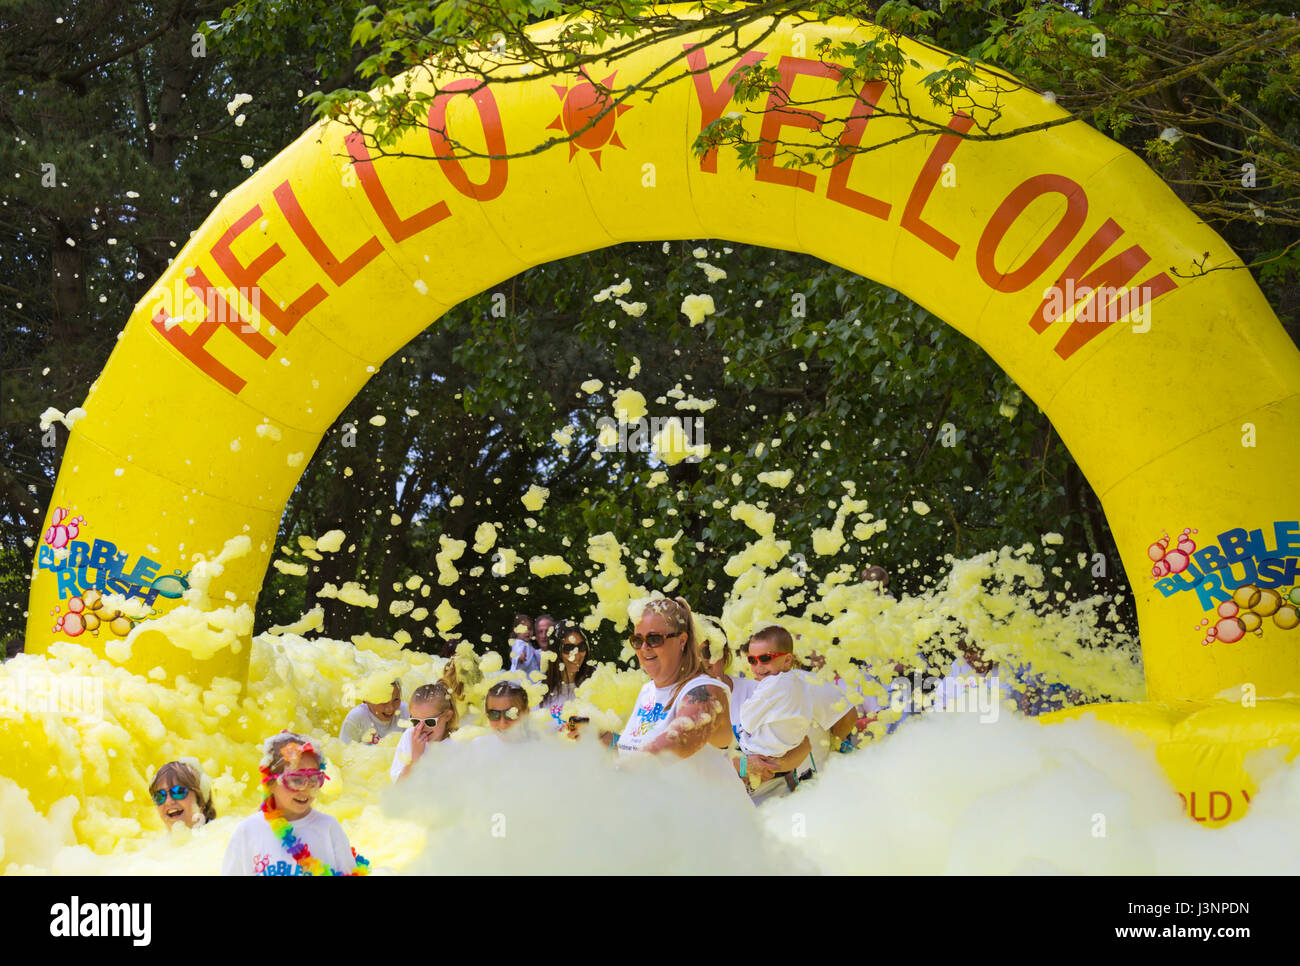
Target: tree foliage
(850, 383)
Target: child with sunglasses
(286, 836)
(183, 793)
(433, 718)
(505, 706)
(777, 720)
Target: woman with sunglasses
(567, 670)
(286, 836)
(682, 710)
(433, 718)
(183, 793)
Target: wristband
(744, 766)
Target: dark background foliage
(854, 387)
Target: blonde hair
(676, 611)
(439, 692)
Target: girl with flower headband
(287, 837)
(183, 793)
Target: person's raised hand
(420, 739)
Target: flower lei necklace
(283, 831)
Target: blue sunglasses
(177, 792)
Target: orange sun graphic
(581, 103)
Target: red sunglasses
(763, 658)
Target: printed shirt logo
(649, 715)
(262, 865)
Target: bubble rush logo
(1266, 588)
(72, 561)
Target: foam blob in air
(535, 498)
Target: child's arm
(722, 736)
(765, 766)
(795, 755)
(844, 727)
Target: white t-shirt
(402, 756)
(254, 849)
(360, 725)
(741, 689)
(784, 708)
(524, 657)
(654, 709)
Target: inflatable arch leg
(1179, 395)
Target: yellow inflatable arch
(1130, 323)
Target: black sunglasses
(496, 715)
(650, 640)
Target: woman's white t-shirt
(254, 849)
(654, 710)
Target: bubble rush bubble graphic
(1171, 561)
(62, 531)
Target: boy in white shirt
(778, 717)
(371, 723)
